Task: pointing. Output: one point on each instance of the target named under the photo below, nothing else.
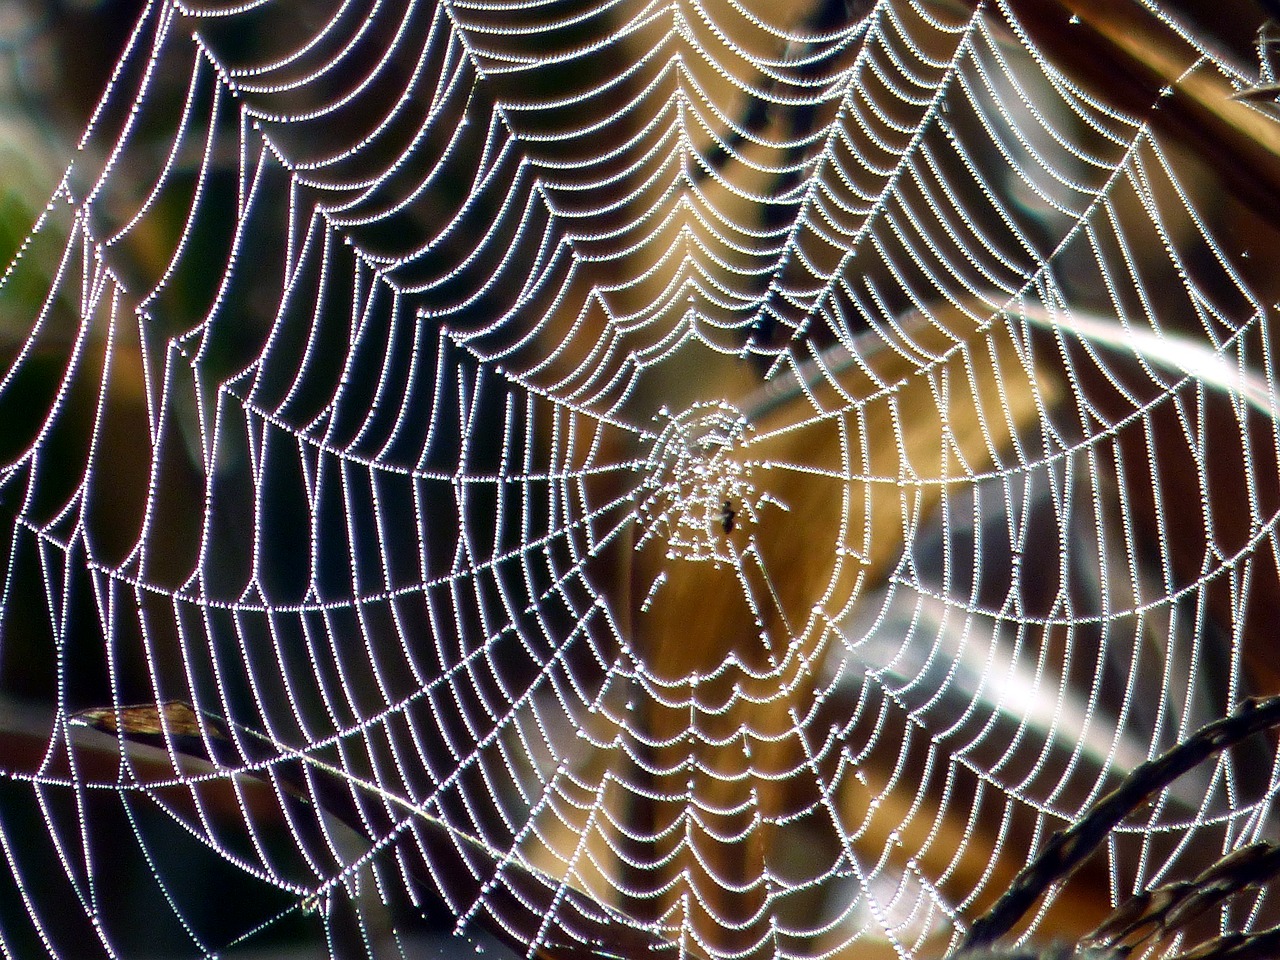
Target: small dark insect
(727, 513)
(1268, 44)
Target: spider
(726, 516)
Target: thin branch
(1067, 850)
(1173, 905)
(1262, 945)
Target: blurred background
(55, 61)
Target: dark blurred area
(145, 883)
(57, 59)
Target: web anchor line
(204, 736)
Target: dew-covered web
(705, 478)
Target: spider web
(717, 477)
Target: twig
(1174, 905)
(1067, 850)
(1262, 945)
